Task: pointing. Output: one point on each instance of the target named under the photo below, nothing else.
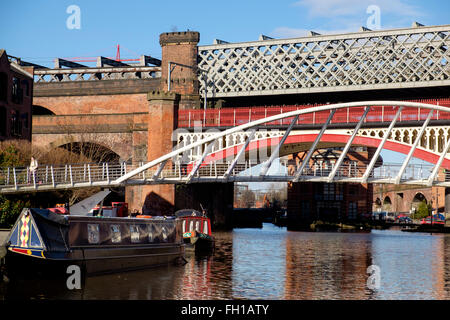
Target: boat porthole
(93, 233)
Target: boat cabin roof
(189, 213)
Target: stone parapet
(88, 88)
(162, 95)
(192, 37)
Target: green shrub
(423, 210)
(10, 209)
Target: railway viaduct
(133, 110)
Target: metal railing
(231, 117)
(21, 179)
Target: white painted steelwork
(169, 169)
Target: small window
(191, 226)
(134, 232)
(184, 226)
(17, 91)
(150, 233)
(116, 237)
(16, 124)
(352, 210)
(93, 233)
(164, 234)
(24, 117)
(197, 226)
(205, 227)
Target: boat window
(164, 234)
(93, 233)
(184, 226)
(197, 226)
(134, 232)
(150, 233)
(191, 226)
(115, 233)
(205, 227)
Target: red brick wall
(180, 47)
(402, 197)
(95, 104)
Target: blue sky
(37, 31)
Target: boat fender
(143, 217)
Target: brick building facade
(309, 201)
(16, 96)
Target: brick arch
(416, 196)
(110, 141)
(40, 110)
(387, 204)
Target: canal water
(274, 263)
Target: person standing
(33, 168)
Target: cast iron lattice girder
(355, 61)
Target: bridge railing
(103, 174)
(96, 74)
(231, 117)
(69, 174)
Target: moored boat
(46, 241)
(196, 229)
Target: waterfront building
(16, 96)
(310, 201)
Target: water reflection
(327, 267)
(412, 265)
(273, 263)
(259, 257)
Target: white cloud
(339, 16)
(286, 32)
(339, 8)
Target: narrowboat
(45, 240)
(196, 229)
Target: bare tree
(248, 198)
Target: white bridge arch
(219, 139)
(169, 169)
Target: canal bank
(3, 235)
